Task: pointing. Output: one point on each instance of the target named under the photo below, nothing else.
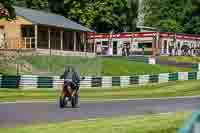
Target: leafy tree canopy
(173, 15)
(99, 15)
(6, 9)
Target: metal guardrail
(33, 81)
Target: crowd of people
(126, 50)
(184, 51)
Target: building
(44, 32)
(146, 43)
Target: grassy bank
(182, 59)
(54, 65)
(158, 123)
(171, 89)
(113, 66)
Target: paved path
(12, 114)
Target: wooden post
(25, 42)
(36, 36)
(49, 38)
(75, 41)
(61, 40)
(30, 41)
(157, 43)
(154, 46)
(85, 48)
(168, 47)
(94, 47)
(94, 43)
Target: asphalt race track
(13, 114)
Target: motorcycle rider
(72, 77)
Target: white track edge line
(100, 100)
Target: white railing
(29, 42)
(18, 43)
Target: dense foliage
(6, 9)
(173, 15)
(99, 15)
(121, 15)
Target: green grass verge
(121, 66)
(182, 59)
(7, 69)
(157, 123)
(171, 89)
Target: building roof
(50, 19)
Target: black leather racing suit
(73, 76)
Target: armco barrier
(163, 78)
(143, 79)
(125, 81)
(153, 78)
(106, 81)
(198, 75)
(116, 81)
(134, 80)
(45, 82)
(29, 81)
(86, 83)
(183, 76)
(192, 76)
(57, 82)
(173, 76)
(0, 80)
(10, 81)
(96, 82)
(32, 81)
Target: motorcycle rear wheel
(62, 102)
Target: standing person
(123, 51)
(176, 51)
(173, 51)
(128, 49)
(170, 51)
(142, 50)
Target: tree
(99, 15)
(6, 9)
(193, 25)
(91, 13)
(56, 6)
(193, 20)
(103, 15)
(168, 15)
(34, 4)
(132, 15)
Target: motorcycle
(68, 94)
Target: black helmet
(69, 68)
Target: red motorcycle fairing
(67, 90)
